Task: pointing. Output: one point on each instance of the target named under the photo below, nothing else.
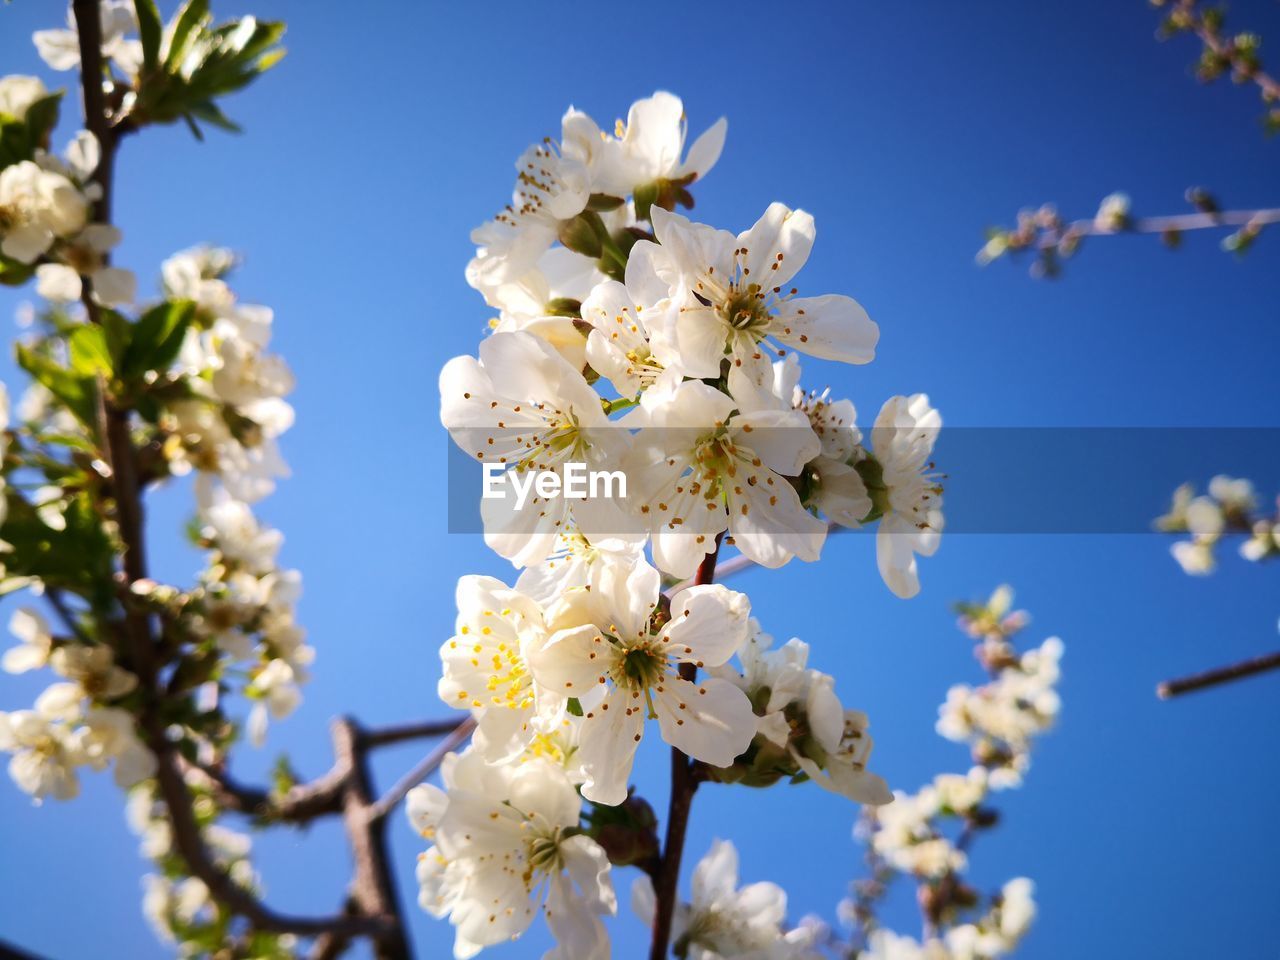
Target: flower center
(745, 309)
(542, 857)
(640, 668)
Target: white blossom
(903, 438)
(507, 844)
(275, 691)
(602, 649)
(36, 642)
(522, 406)
(92, 670)
(18, 93)
(704, 463)
(799, 712)
(46, 749)
(724, 921)
(729, 299)
(649, 148)
(60, 49)
(37, 207)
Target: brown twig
(373, 888)
(1220, 675)
(684, 783)
(422, 769)
(300, 804)
(385, 736)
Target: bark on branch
(684, 783)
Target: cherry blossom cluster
(189, 383)
(228, 409)
(77, 721)
(1230, 508)
(630, 338)
(693, 331)
(928, 835)
(45, 202)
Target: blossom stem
(684, 782)
(621, 403)
(1220, 675)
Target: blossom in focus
(507, 844)
(485, 667)
(704, 464)
(522, 406)
(605, 650)
(802, 726)
(910, 496)
(725, 921)
(649, 148)
(730, 295)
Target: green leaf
(209, 113)
(157, 337)
(75, 392)
(117, 331)
(150, 27)
(14, 143)
(78, 558)
(89, 353)
(42, 117)
(192, 14)
(13, 273)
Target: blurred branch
(1052, 239)
(10, 952)
(423, 769)
(301, 803)
(1237, 55)
(385, 736)
(1216, 677)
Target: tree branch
(301, 803)
(1223, 54)
(385, 736)
(126, 492)
(373, 890)
(422, 769)
(10, 952)
(1221, 675)
(684, 783)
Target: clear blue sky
(390, 130)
